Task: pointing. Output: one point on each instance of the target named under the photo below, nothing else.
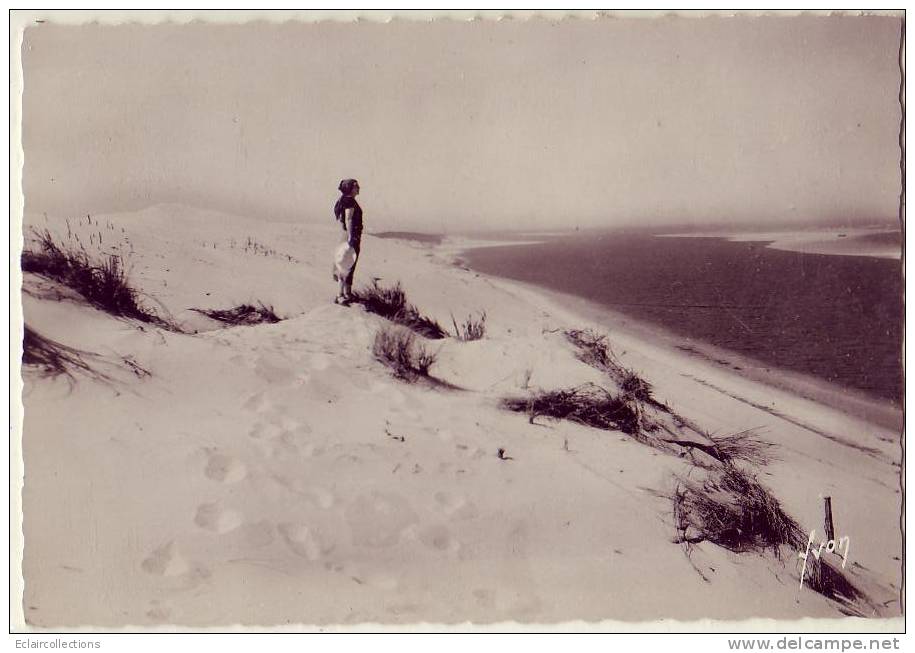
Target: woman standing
(349, 214)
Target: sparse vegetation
(49, 356)
(588, 404)
(399, 350)
(746, 446)
(731, 509)
(594, 349)
(242, 315)
(470, 329)
(637, 387)
(391, 303)
(104, 285)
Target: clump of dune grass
(587, 404)
(103, 284)
(594, 349)
(635, 386)
(242, 315)
(51, 358)
(745, 445)
(470, 329)
(731, 509)
(391, 303)
(399, 350)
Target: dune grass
(104, 284)
(470, 329)
(731, 509)
(49, 356)
(594, 350)
(587, 404)
(242, 315)
(746, 446)
(391, 303)
(398, 349)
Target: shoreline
(856, 241)
(847, 401)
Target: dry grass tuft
(746, 446)
(399, 350)
(588, 404)
(104, 285)
(242, 315)
(731, 509)
(470, 329)
(391, 303)
(594, 350)
(51, 358)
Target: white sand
(278, 474)
(836, 242)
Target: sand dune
(278, 475)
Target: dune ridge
(276, 474)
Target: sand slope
(278, 475)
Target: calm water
(835, 317)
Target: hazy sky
(456, 125)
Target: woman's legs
(346, 286)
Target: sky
(452, 125)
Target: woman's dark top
(347, 202)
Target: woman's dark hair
(346, 186)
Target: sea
(839, 318)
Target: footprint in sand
(158, 612)
(257, 535)
(304, 541)
(484, 597)
(213, 517)
(319, 362)
(264, 431)
(438, 537)
(165, 561)
(455, 505)
(378, 519)
(286, 423)
(372, 577)
(257, 403)
(467, 451)
(321, 497)
(318, 496)
(273, 371)
(224, 468)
